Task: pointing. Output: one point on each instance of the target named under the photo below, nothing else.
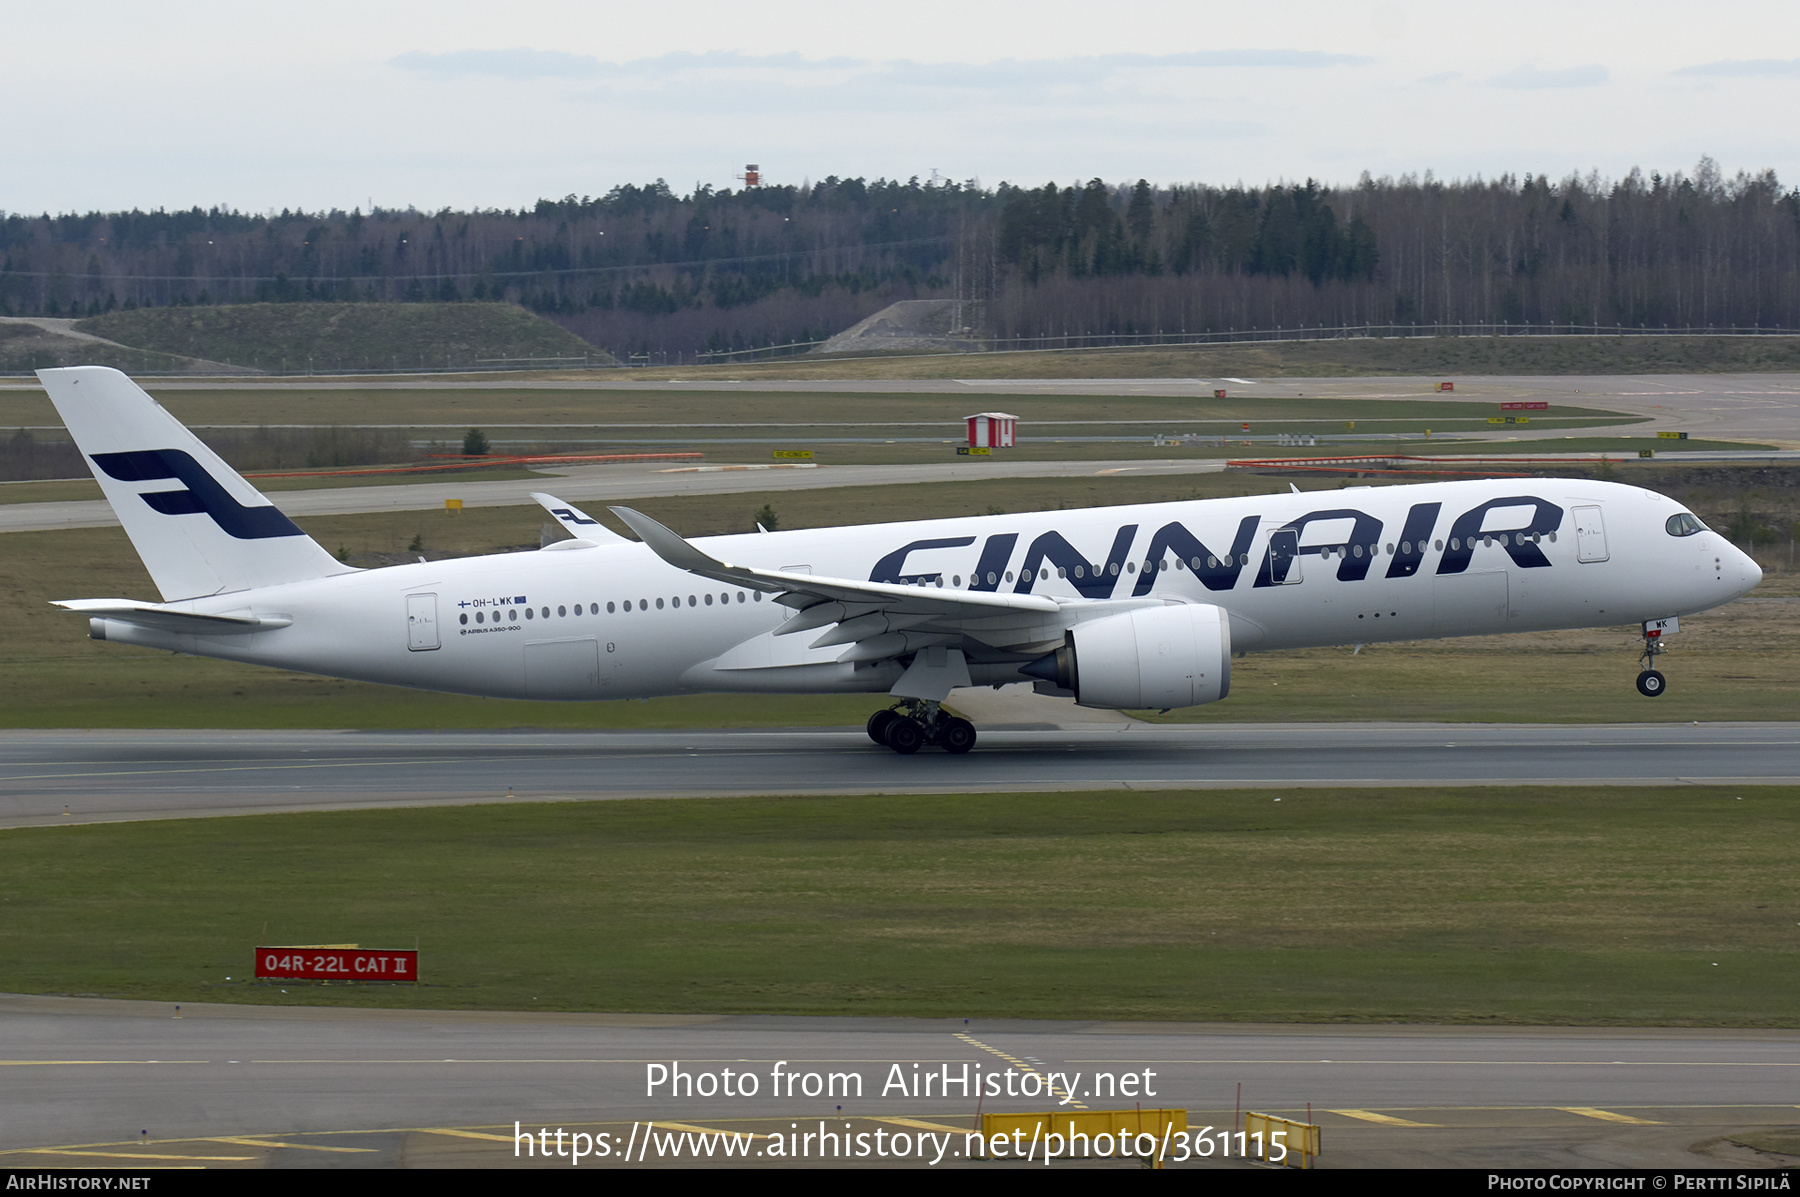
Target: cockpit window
(1683, 524)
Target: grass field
(1535, 906)
(1741, 662)
(1403, 356)
(26, 347)
(282, 340)
(1614, 446)
(70, 490)
(774, 412)
(301, 337)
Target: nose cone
(1749, 571)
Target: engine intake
(1158, 657)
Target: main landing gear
(1651, 683)
(918, 722)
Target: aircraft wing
(881, 619)
(170, 619)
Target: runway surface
(99, 1084)
(118, 775)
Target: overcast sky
(331, 104)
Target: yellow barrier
(1059, 1131)
(1297, 1147)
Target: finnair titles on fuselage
(1124, 607)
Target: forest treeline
(643, 269)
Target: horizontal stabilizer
(169, 619)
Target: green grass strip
(1564, 905)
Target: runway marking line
(659, 1124)
(131, 1155)
(930, 1126)
(346, 763)
(245, 1141)
(1607, 1115)
(1067, 1097)
(59, 1063)
(352, 762)
(1383, 1119)
(464, 1134)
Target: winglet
(665, 544)
(576, 520)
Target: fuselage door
(1284, 557)
(421, 622)
(1590, 534)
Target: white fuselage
(598, 621)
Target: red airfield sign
(337, 963)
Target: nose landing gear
(1651, 683)
(917, 722)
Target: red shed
(992, 430)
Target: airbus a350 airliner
(1122, 607)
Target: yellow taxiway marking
(930, 1126)
(133, 1155)
(463, 1134)
(1606, 1115)
(248, 1142)
(1384, 1119)
(703, 1130)
(1067, 1097)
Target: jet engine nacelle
(1158, 657)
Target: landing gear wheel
(956, 735)
(1651, 684)
(904, 735)
(878, 725)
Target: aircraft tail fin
(199, 527)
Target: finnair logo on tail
(203, 493)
